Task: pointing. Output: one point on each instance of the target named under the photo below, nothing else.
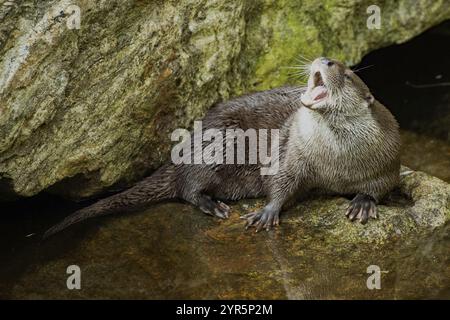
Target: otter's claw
(362, 207)
(263, 219)
(222, 209)
(214, 208)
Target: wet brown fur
(348, 146)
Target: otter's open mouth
(317, 93)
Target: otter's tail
(159, 186)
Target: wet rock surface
(174, 251)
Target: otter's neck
(334, 126)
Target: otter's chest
(344, 155)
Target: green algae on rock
(84, 109)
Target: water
(172, 251)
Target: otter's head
(334, 87)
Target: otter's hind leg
(212, 207)
(209, 206)
(362, 207)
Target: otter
(335, 137)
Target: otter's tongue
(318, 93)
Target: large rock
(81, 110)
(174, 251)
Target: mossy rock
(85, 109)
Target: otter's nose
(326, 62)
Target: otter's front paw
(362, 207)
(263, 219)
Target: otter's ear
(370, 99)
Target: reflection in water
(173, 251)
